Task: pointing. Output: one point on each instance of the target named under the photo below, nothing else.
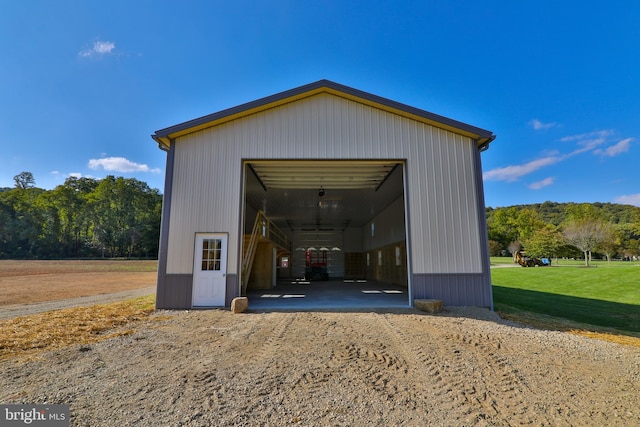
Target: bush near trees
(576, 230)
(84, 217)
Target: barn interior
(325, 230)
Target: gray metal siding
(442, 203)
(233, 289)
(440, 164)
(453, 289)
(174, 291)
(206, 193)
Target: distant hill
(555, 213)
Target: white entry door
(210, 270)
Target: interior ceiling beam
(287, 173)
(388, 175)
(319, 180)
(327, 174)
(320, 168)
(316, 182)
(348, 163)
(325, 186)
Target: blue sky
(83, 84)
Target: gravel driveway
(9, 311)
(335, 368)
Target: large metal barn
(323, 188)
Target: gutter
(164, 145)
(484, 145)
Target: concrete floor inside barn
(295, 294)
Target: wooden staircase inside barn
(263, 231)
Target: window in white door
(211, 254)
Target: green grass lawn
(605, 296)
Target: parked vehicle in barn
(316, 264)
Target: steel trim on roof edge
(482, 136)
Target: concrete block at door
(239, 305)
(428, 305)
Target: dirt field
(462, 367)
(28, 282)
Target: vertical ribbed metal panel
(453, 289)
(174, 291)
(204, 174)
(440, 164)
(444, 223)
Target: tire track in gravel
(504, 388)
(261, 377)
(469, 373)
(504, 398)
(268, 349)
(367, 361)
(322, 370)
(204, 384)
(404, 368)
(454, 386)
(416, 368)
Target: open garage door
(346, 230)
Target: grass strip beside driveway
(604, 300)
(24, 336)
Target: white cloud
(614, 150)
(120, 164)
(586, 142)
(514, 172)
(541, 184)
(75, 175)
(581, 138)
(538, 125)
(98, 49)
(630, 199)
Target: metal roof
(164, 136)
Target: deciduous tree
(24, 180)
(495, 248)
(585, 234)
(513, 248)
(81, 217)
(544, 242)
(610, 242)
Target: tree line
(82, 218)
(120, 217)
(575, 230)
